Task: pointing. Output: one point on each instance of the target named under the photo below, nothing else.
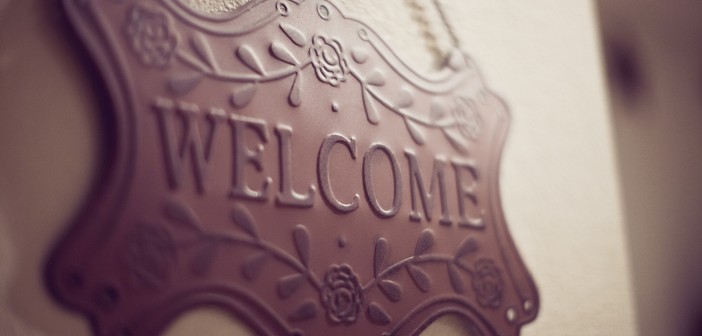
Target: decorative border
(154, 42)
(150, 253)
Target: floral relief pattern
(458, 118)
(151, 36)
(487, 283)
(341, 295)
(150, 254)
(467, 118)
(328, 61)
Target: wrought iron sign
(282, 163)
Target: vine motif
(340, 292)
(457, 117)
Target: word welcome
(188, 146)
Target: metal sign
(282, 163)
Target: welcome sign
(283, 164)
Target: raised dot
(342, 242)
(528, 305)
(511, 315)
(335, 107)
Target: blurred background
(653, 53)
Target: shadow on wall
(654, 64)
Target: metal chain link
(419, 14)
(449, 28)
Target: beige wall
(559, 181)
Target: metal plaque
(283, 164)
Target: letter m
(427, 198)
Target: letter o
(368, 181)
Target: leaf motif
(424, 242)
(376, 78)
(253, 265)
(415, 131)
(377, 314)
(294, 34)
(359, 55)
(436, 111)
(182, 215)
(295, 96)
(404, 98)
(242, 218)
(421, 278)
(305, 311)
(202, 263)
(455, 278)
(289, 284)
(391, 289)
(381, 251)
(457, 141)
(467, 246)
(282, 53)
(202, 48)
(371, 112)
(301, 236)
(249, 58)
(182, 83)
(242, 96)
(456, 60)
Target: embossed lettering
(427, 198)
(323, 170)
(368, 181)
(243, 156)
(467, 192)
(177, 151)
(286, 195)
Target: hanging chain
(449, 28)
(419, 14)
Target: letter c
(323, 171)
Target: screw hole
(107, 297)
(74, 281)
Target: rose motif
(467, 118)
(328, 61)
(150, 254)
(151, 36)
(342, 295)
(487, 283)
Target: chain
(449, 28)
(432, 42)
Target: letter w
(190, 144)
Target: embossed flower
(467, 118)
(328, 61)
(487, 283)
(342, 295)
(150, 254)
(150, 36)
